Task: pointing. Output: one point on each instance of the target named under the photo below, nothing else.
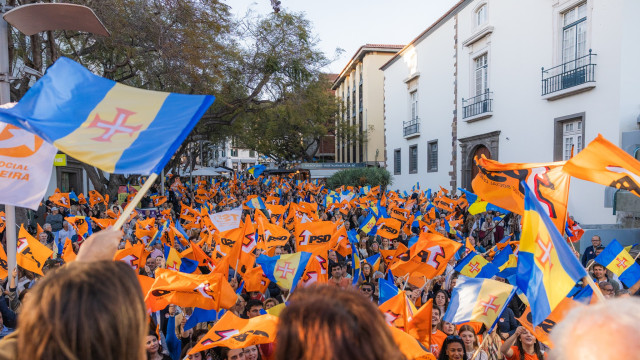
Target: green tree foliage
(360, 177)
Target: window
(571, 138)
(568, 133)
(481, 78)
(414, 104)
(397, 161)
(234, 152)
(413, 159)
(432, 156)
(221, 153)
(252, 153)
(481, 15)
(574, 37)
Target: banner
(227, 220)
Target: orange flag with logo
(4, 267)
(420, 325)
(311, 234)
(236, 333)
(270, 235)
(388, 228)
(500, 184)
(30, 253)
(61, 199)
(67, 251)
(604, 163)
(95, 198)
(134, 256)
(104, 223)
(208, 292)
(429, 256)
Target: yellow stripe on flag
(113, 126)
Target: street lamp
(30, 20)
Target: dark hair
(251, 303)
(536, 349)
(446, 298)
(448, 341)
(326, 323)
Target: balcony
(570, 78)
(478, 107)
(411, 128)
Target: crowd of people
(337, 320)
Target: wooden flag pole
(484, 341)
(136, 199)
(596, 289)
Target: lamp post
(30, 20)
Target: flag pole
(484, 341)
(596, 289)
(136, 199)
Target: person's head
(599, 271)
(441, 299)
(596, 241)
(325, 322)
(160, 262)
(366, 289)
(366, 269)
(54, 210)
(452, 349)
(447, 328)
(435, 316)
(251, 353)
(253, 308)
(46, 227)
(65, 225)
(151, 263)
(151, 344)
(232, 354)
(278, 251)
(43, 237)
(607, 289)
(269, 303)
(336, 270)
(599, 250)
(469, 337)
(200, 355)
(79, 310)
(606, 330)
(385, 243)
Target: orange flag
(398, 310)
(67, 251)
(542, 331)
(104, 223)
(270, 235)
(311, 234)
(500, 184)
(61, 199)
(428, 256)
(256, 280)
(399, 214)
(30, 253)
(81, 199)
(201, 257)
(4, 268)
(94, 198)
(420, 325)
(211, 291)
(388, 228)
(409, 346)
(145, 283)
(604, 163)
(134, 256)
(392, 256)
(2, 221)
(236, 333)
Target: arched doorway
(478, 152)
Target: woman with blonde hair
(470, 340)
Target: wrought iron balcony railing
(411, 127)
(572, 73)
(477, 105)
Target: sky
(349, 24)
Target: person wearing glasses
(453, 349)
(522, 345)
(608, 289)
(366, 289)
(470, 340)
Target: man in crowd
(600, 276)
(590, 252)
(337, 277)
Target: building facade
(522, 81)
(359, 88)
(230, 155)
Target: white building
(228, 154)
(518, 81)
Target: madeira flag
(547, 269)
(284, 270)
(474, 265)
(604, 163)
(480, 300)
(114, 127)
(620, 262)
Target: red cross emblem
(475, 267)
(489, 305)
(545, 257)
(622, 263)
(285, 270)
(117, 126)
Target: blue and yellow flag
(114, 127)
(480, 300)
(368, 224)
(477, 205)
(620, 262)
(475, 266)
(255, 203)
(256, 170)
(355, 259)
(507, 262)
(547, 269)
(284, 270)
